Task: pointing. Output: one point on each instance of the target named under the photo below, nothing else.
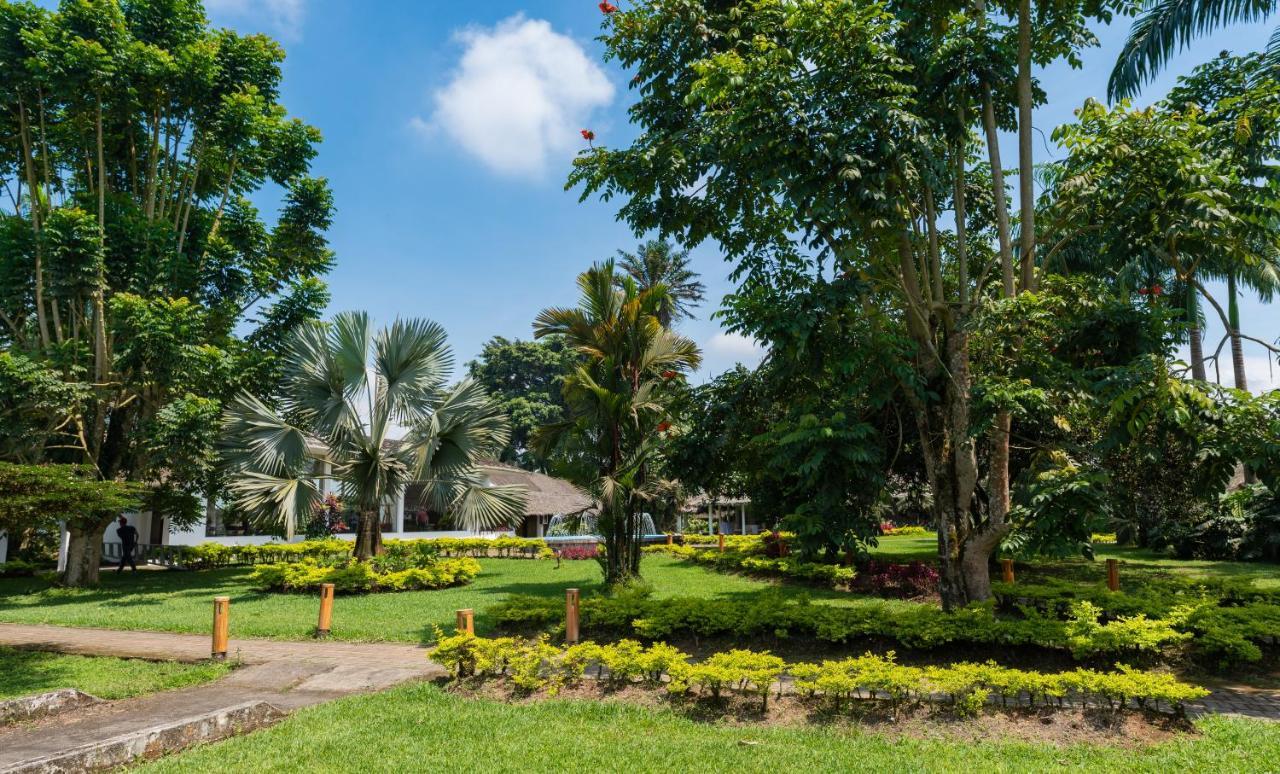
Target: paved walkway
(288, 675)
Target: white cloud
(1262, 372)
(736, 346)
(283, 17)
(519, 96)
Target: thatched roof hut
(546, 495)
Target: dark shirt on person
(128, 535)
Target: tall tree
(132, 135)
(837, 132)
(619, 400)
(661, 263)
(525, 378)
(349, 387)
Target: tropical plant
(1166, 26)
(346, 388)
(618, 401)
(661, 263)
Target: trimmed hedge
(915, 626)
(206, 556)
(833, 575)
(359, 577)
(965, 688)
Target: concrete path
(287, 675)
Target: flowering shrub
(889, 579)
(574, 553)
(964, 687)
(888, 528)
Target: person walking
(128, 535)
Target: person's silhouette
(128, 535)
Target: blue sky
(449, 128)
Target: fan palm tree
(617, 400)
(660, 263)
(1166, 26)
(347, 387)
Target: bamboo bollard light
(221, 626)
(326, 610)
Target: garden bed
(747, 687)
(352, 577)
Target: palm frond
(272, 499)
(1167, 26)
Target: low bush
(901, 581)
(207, 556)
(755, 562)
(17, 568)
(888, 528)
(578, 553)
(964, 688)
(362, 577)
(772, 615)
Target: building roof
(546, 495)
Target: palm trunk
(369, 536)
(1237, 352)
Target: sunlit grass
(28, 672)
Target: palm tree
(348, 387)
(1166, 26)
(617, 400)
(659, 263)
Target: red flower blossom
(1143, 291)
(588, 135)
(1157, 290)
(668, 374)
(607, 7)
(664, 427)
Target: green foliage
(737, 560)
(360, 577)
(525, 378)
(34, 496)
(35, 401)
(535, 665)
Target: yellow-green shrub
(353, 577)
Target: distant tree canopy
(526, 379)
(134, 267)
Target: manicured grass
(422, 728)
(182, 601)
(27, 672)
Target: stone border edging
(42, 705)
(154, 741)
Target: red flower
(668, 374)
(1143, 291)
(1157, 290)
(664, 427)
(588, 135)
(607, 7)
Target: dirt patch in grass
(1044, 725)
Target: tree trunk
(1194, 336)
(1026, 174)
(84, 553)
(101, 366)
(1237, 353)
(369, 536)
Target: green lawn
(27, 672)
(422, 728)
(182, 601)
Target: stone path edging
(283, 675)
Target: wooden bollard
(326, 610)
(221, 626)
(721, 536)
(1113, 574)
(466, 621)
(671, 539)
(1007, 566)
(571, 616)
